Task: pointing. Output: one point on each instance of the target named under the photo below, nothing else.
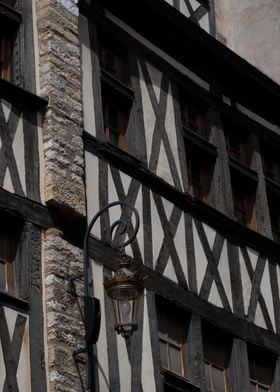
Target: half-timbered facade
(188, 155)
(138, 101)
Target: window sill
(199, 143)
(176, 383)
(273, 187)
(243, 170)
(117, 85)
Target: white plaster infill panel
(102, 349)
(170, 127)
(266, 292)
(92, 189)
(147, 374)
(200, 258)
(210, 234)
(7, 107)
(156, 78)
(87, 86)
(169, 271)
(163, 167)
(223, 268)
(122, 194)
(18, 150)
(125, 367)
(23, 375)
(204, 23)
(157, 232)
(180, 246)
(18, 147)
(148, 113)
(245, 278)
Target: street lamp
(124, 287)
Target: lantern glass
(125, 288)
(126, 316)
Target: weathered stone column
(63, 168)
(60, 81)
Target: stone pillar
(60, 81)
(63, 322)
(64, 191)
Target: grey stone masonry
(64, 190)
(63, 321)
(60, 81)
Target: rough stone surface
(251, 28)
(63, 321)
(60, 81)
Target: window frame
(260, 358)
(223, 345)
(115, 94)
(244, 185)
(197, 127)
(10, 21)
(10, 240)
(168, 312)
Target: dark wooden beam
(13, 302)
(42, 216)
(20, 97)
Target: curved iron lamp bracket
(92, 314)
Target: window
(236, 144)
(243, 184)
(5, 56)
(172, 332)
(115, 116)
(243, 194)
(217, 349)
(199, 178)
(117, 97)
(111, 62)
(261, 369)
(10, 20)
(9, 242)
(193, 117)
(271, 164)
(201, 156)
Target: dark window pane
(113, 137)
(172, 326)
(113, 117)
(2, 275)
(163, 354)
(217, 349)
(111, 62)
(175, 359)
(218, 379)
(263, 389)
(261, 366)
(253, 387)
(5, 56)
